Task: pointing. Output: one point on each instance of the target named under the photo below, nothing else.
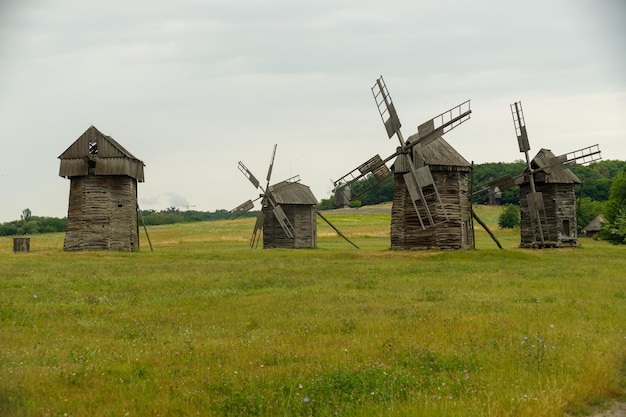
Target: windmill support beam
(336, 230)
(484, 226)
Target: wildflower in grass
(552, 326)
(305, 399)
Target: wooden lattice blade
(503, 183)
(373, 171)
(579, 157)
(269, 171)
(385, 106)
(246, 172)
(284, 222)
(442, 124)
(258, 227)
(242, 208)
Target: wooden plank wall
(102, 214)
(302, 217)
(453, 233)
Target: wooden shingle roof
(292, 193)
(550, 173)
(111, 158)
(437, 152)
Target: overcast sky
(191, 87)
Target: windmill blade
(243, 208)
(375, 166)
(503, 183)
(442, 124)
(269, 171)
(476, 195)
(416, 197)
(579, 157)
(258, 226)
(385, 106)
(284, 222)
(538, 217)
(246, 172)
(520, 126)
(425, 179)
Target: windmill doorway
(565, 228)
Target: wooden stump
(21, 244)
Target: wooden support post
(144, 227)
(486, 229)
(336, 230)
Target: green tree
(617, 197)
(509, 217)
(588, 209)
(326, 204)
(615, 229)
(615, 232)
(26, 215)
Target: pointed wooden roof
(549, 171)
(107, 146)
(437, 152)
(595, 225)
(108, 156)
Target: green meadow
(203, 325)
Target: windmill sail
(374, 170)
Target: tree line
(35, 224)
(603, 192)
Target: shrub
(509, 218)
(615, 232)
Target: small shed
(450, 172)
(556, 184)
(102, 211)
(299, 204)
(594, 227)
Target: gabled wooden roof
(550, 173)
(107, 146)
(292, 193)
(111, 158)
(438, 152)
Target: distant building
(594, 227)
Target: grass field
(205, 326)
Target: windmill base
(548, 245)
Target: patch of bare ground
(617, 410)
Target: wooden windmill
(102, 212)
(547, 194)
(430, 206)
(288, 212)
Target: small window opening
(92, 167)
(93, 148)
(119, 205)
(565, 229)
